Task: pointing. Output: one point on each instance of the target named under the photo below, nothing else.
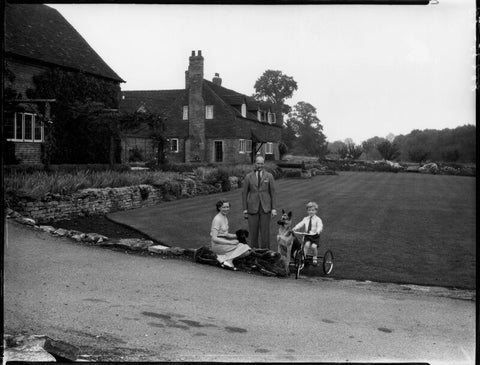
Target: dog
(242, 235)
(286, 240)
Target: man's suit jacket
(253, 196)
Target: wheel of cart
(300, 259)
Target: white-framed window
(274, 118)
(244, 110)
(269, 148)
(218, 151)
(262, 116)
(208, 111)
(269, 118)
(245, 146)
(23, 127)
(185, 112)
(173, 144)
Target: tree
(289, 134)
(370, 147)
(354, 151)
(275, 87)
(310, 139)
(81, 131)
(417, 154)
(155, 125)
(388, 150)
(337, 146)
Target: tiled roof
(154, 101)
(41, 33)
(234, 98)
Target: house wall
(28, 152)
(24, 73)
(177, 156)
(145, 145)
(232, 153)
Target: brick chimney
(195, 144)
(217, 80)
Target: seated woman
(225, 244)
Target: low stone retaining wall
(54, 207)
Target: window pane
(28, 127)
(185, 112)
(38, 130)
(209, 111)
(19, 120)
(9, 126)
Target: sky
(369, 70)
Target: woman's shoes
(228, 266)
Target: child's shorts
(313, 238)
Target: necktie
(258, 178)
(309, 225)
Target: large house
(38, 38)
(206, 122)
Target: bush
(214, 176)
(9, 153)
(135, 155)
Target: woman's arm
(222, 240)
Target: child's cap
(312, 205)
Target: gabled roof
(164, 101)
(234, 98)
(154, 101)
(41, 33)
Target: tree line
(303, 132)
(446, 145)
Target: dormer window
(262, 115)
(208, 111)
(244, 110)
(185, 112)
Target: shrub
(135, 155)
(214, 176)
(9, 153)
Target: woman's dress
(225, 252)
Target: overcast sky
(369, 70)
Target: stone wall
(100, 201)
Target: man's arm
(246, 187)
(273, 195)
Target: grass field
(404, 228)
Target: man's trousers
(259, 229)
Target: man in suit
(259, 201)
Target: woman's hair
(312, 205)
(220, 203)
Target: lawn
(406, 228)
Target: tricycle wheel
(299, 262)
(328, 262)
